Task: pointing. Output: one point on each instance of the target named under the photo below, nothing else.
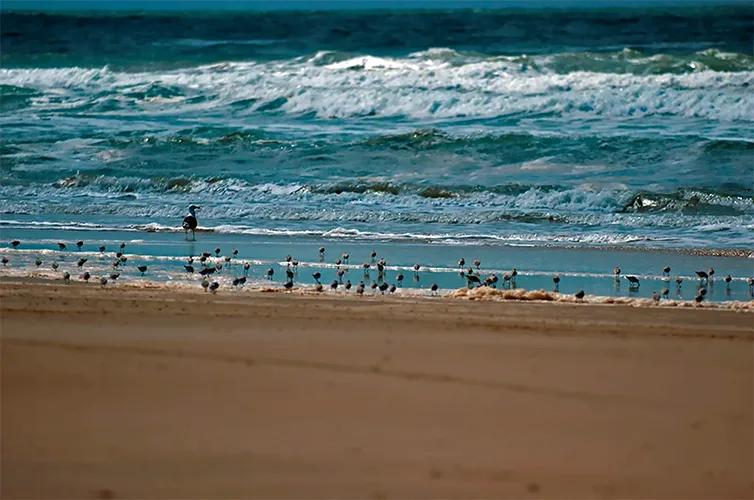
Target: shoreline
(478, 294)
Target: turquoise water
(552, 140)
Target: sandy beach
(124, 393)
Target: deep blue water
(625, 127)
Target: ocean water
(557, 141)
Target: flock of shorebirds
(206, 265)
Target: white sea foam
(418, 87)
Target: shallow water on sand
(165, 254)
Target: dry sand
(156, 394)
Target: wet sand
(166, 394)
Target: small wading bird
(142, 269)
(556, 280)
(61, 246)
(189, 223)
(617, 273)
(214, 286)
(38, 262)
(579, 295)
(634, 281)
(15, 243)
(434, 288)
(67, 277)
(666, 271)
(5, 261)
(79, 244)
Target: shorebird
(392, 288)
(5, 261)
(116, 263)
(655, 297)
(270, 273)
(205, 284)
(383, 287)
(294, 263)
(366, 269)
(79, 244)
(190, 223)
(399, 278)
(338, 262)
(340, 274)
(227, 259)
(634, 281)
(114, 276)
(579, 295)
(55, 266)
(666, 271)
(214, 286)
(122, 246)
(103, 281)
(345, 258)
(318, 288)
(242, 280)
(219, 266)
(334, 285)
(678, 282)
(322, 253)
(461, 263)
(665, 293)
(616, 271)
(699, 297)
(217, 251)
(728, 279)
(288, 285)
(373, 286)
(506, 280)
(347, 285)
(62, 246)
(246, 267)
(206, 255)
(472, 279)
(142, 269)
(123, 259)
(102, 249)
(81, 262)
(316, 276)
(491, 280)
(360, 289)
(207, 271)
(235, 252)
(289, 274)
(38, 262)
(236, 282)
(703, 276)
(514, 273)
(556, 280)
(86, 276)
(434, 288)
(477, 263)
(67, 277)
(416, 268)
(711, 273)
(15, 243)
(288, 258)
(189, 269)
(373, 255)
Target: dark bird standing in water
(579, 295)
(434, 288)
(189, 222)
(634, 281)
(61, 246)
(81, 262)
(67, 277)
(79, 244)
(348, 285)
(142, 269)
(38, 262)
(15, 243)
(5, 261)
(214, 286)
(316, 276)
(666, 271)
